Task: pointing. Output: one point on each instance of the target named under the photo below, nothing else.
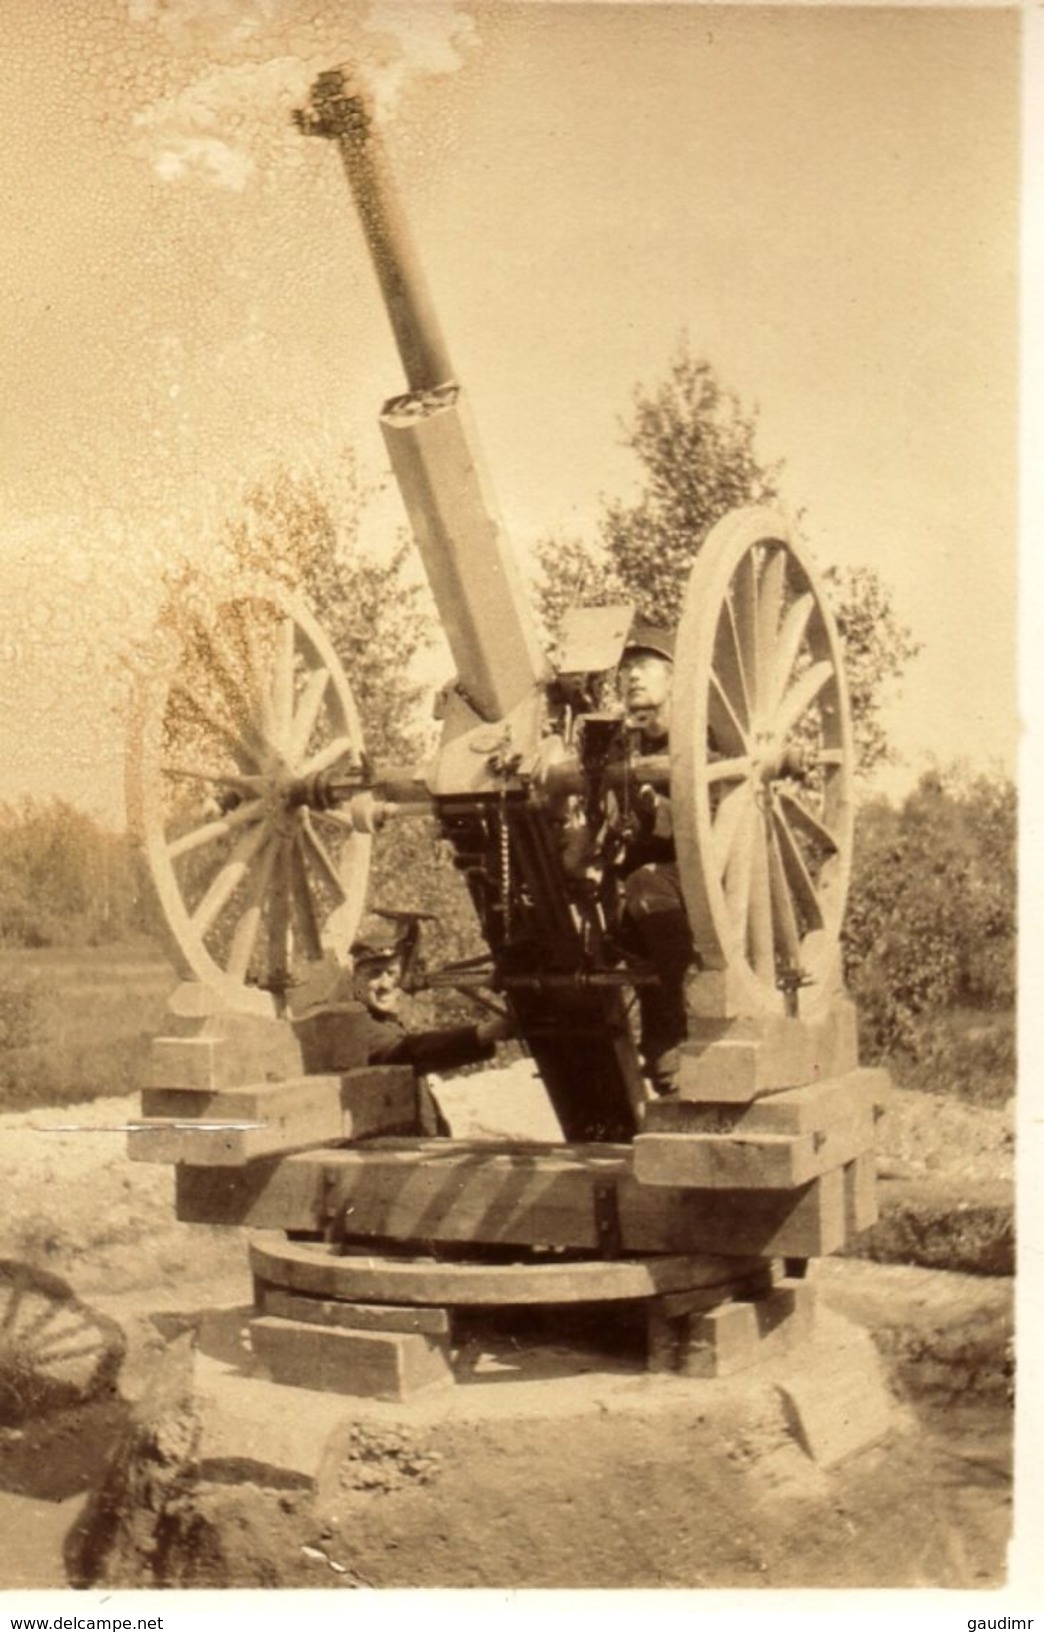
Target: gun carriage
(256, 801)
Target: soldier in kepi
(654, 926)
(377, 963)
(358, 1022)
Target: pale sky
(826, 200)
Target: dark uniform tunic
(655, 927)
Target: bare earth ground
(626, 1490)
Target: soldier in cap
(654, 924)
(361, 1023)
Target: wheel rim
(241, 703)
(54, 1350)
(762, 765)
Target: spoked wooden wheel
(247, 704)
(762, 766)
(54, 1350)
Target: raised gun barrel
(431, 438)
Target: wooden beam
(808, 1110)
(372, 1317)
(325, 1271)
(736, 1063)
(449, 1191)
(381, 1365)
(750, 1160)
(200, 1128)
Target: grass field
(76, 1024)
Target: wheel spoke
(336, 750)
(217, 829)
(759, 920)
(225, 882)
(238, 745)
(770, 608)
(305, 904)
(788, 645)
(256, 669)
(784, 918)
(733, 769)
(728, 820)
(800, 697)
(801, 817)
(231, 779)
(738, 873)
(277, 914)
(729, 734)
(745, 612)
(321, 856)
(283, 685)
(309, 705)
(728, 663)
(244, 937)
(798, 876)
(14, 1303)
(216, 668)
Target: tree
(695, 445)
(931, 917)
(301, 528)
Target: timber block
(468, 1192)
(750, 1159)
(229, 1127)
(228, 1050)
(669, 1318)
(372, 1365)
(807, 1110)
(739, 1335)
(861, 1209)
(740, 1061)
(363, 1317)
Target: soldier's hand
(495, 1030)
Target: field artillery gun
(258, 805)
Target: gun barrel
(431, 439)
(342, 112)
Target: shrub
(931, 920)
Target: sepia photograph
(510, 807)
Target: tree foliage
(301, 528)
(696, 448)
(64, 880)
(932, 909)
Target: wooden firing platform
(379, 1239)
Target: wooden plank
(281, 1116)
(746, 1059)
(374, 1099)
(373, 1365)
(861, 1202)
(807, 1110)
(739, 1335)
(374, 1317)
(749, 1161)
(448, 1192)
(371, 1278)
(228, 1049)
(276, 1116)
